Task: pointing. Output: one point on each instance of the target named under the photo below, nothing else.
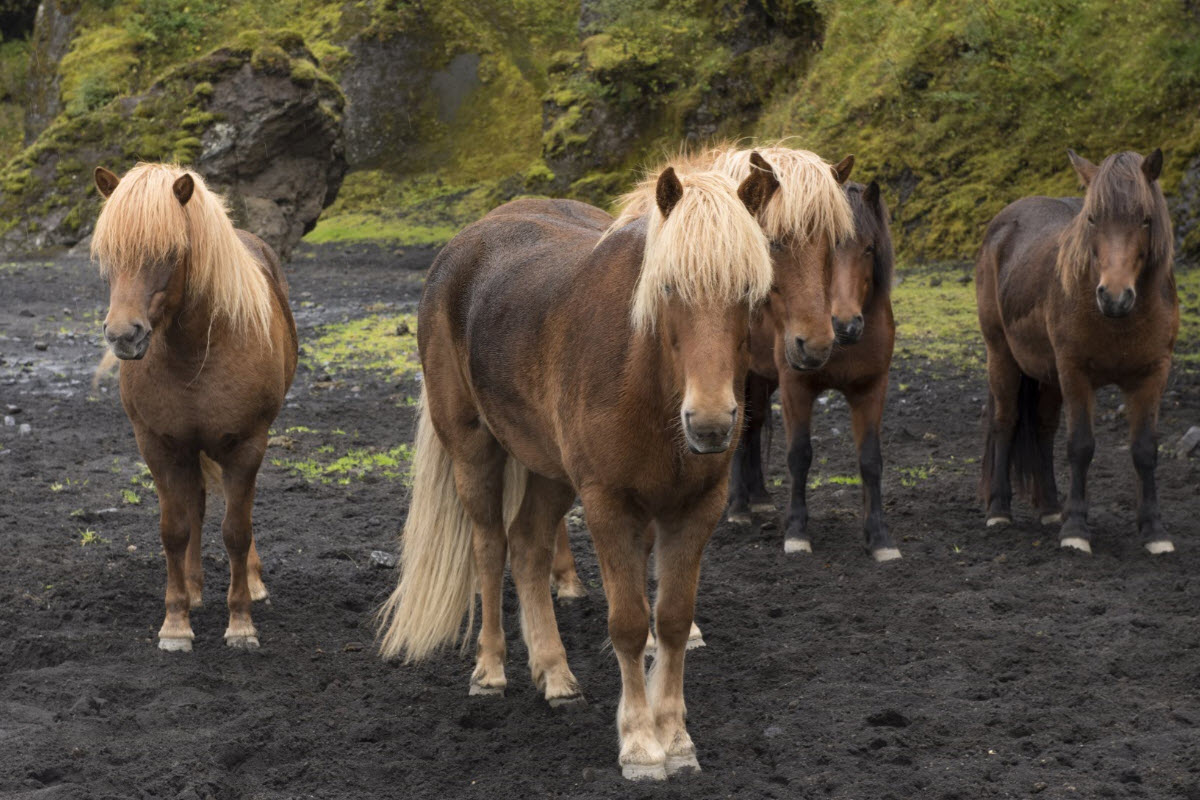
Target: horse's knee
(800, 453)
(628, 629)
(1081, 445)
(1144, 450)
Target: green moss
(938, 323)
(354, 464)
(1187, 348)
(370, 343)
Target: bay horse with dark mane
(198, 314)
(861, 313)
(1075, 294)
(561, 361)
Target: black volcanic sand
(985, 664)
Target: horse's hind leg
(194, 568)
(866, 418)
(1142, 402)
(747, 486)
(180, 488)
(531, 544)
(1004, 382)
(258, 589)
(1049, 411)
(796, 397)
(563, 577)
(239, 476)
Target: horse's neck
(189, 328)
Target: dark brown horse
(861, 313)
(1075, 294)
(198, 313)
(559, 361)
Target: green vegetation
(938, 322)
(14, 72)
(355, 464)
(369, 343)
(1187, 348)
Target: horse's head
(706, 265)
(143, 276)
(807, 218)
(860, 263)
(1122, 227)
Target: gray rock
(382, 560)
(24, 429)
(10, 422)
(1189, 443)
(52, 31)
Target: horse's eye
(1091, 220)
(776, 246)
(870, 250)
(667, 289)
(774, 288)
(1146, 222)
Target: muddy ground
(985, 664)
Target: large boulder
(257, 119)
(52, 30)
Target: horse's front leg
(618, 531)
(1079, 399)
(239, 476)
(1142, 401)
(866, 418)
(796, 396)
(180, 488)
(677, 561)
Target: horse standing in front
(198, 314)
(561, 361)
(1075, 294)
(861, 307)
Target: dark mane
(871, 225)
(1118, 192)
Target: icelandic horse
(1075, 294)
(861, 306)
(561, 361)
(198, 316)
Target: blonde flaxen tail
(437, 566)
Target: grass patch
(938, 322)
(354, 464)
(370, 343)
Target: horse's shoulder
(264, 254)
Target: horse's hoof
(695, 642)
(999, 522)
(477, 690)
(886, 554)
(242, 642)
(175, 645)
(797, 546)
(1077, 542)
(739, 517)
(259, 595)
(1052, 519)
(762, 507)
(572, 702)
(568, 593)
(644, 772)
(1159, 547)
(683, 765)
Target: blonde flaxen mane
(1118, 191)
(709, 251)
(809, 205)
(143, 224)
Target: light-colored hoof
(569, 592)
(1160, 547)
(259, 593)
(695, 642)
(1052, 519)
(644, 772)
(886, 554)
(797, 546)
(569, 703)
(762, 508)
(1078, 543)
(242, 642)
(999, 522)
(683, 765)
(485, 691)
(174, 645)
(739, 517)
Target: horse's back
(265, 255)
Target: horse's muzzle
(130, 345)
(805, 358)
(1115, 306)
(848, 331)
(708, 436)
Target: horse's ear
(871, 194)
(1085, 169)
(1152, 165)
(106, 181)
(668, 192)
(183, 188)
(760, 185)
(842, 169)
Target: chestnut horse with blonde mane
(861, 307)
(198, 314)
(560, 361)
(1075, 294)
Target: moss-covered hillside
(456, 105)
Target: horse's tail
(106, 365)
(1025, 450)
(212, 475)
(437, 565)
